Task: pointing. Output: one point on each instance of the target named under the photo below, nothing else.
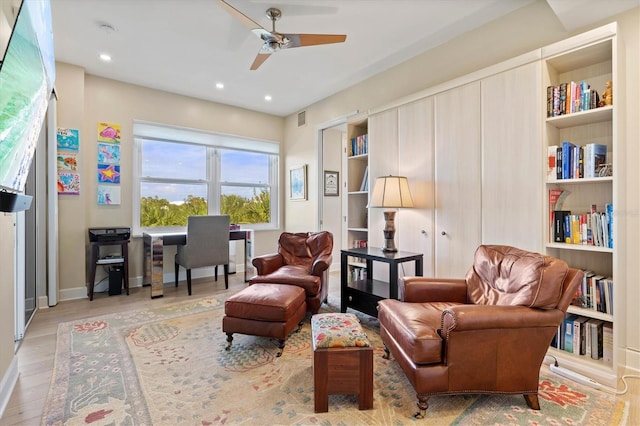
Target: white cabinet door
(383, 161)
(512, 162)
(457, 179)
(415, 161)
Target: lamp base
(389, 232)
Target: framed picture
(298, 183)
(331, 183)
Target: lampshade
(392, 192)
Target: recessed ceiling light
(267, 97)
(105, 57)
(219, 85)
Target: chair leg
(215, 273)
(422, 406)
(532, 401)
(386, 354)
(189, 281)
(229, 340)
(177, 269)
(226, 275)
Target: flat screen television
(27, 74)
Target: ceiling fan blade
(244, 19)
(260, 58)
(298, 40)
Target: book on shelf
(364, 185)
(571, 97)
(595, 293)
(607, 342)
(595, 155)
(552, 152)
(594, 228)
(568, 332)
(579, 335)
(594, 338)
(567, 159)
(556, 198)
(359, 145)
(359, 243)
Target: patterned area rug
(168, 366)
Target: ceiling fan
(273, 40)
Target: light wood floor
(35, 354)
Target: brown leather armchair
(487, 333)
(303, 259)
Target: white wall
(491, 44)
(83, 101)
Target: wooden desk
(363, 295)
(154, 243)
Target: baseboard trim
(81, 292)
(7, 384)
(632, 360)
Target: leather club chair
(303, 259)
(487, 333)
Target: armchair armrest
(268, 263)
(421, 289)
(321, 264)
(486, 317)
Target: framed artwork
(331, 183)
(298, 183)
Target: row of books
(583, 336)
(364, 185)
(569, 161)
(359, 243)
(357, 274)
(592, 228)
(568, 98)
(595, 293)
(359, 145)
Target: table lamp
(390, 192)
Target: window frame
(214, 143)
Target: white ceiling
(187, 46)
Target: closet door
(512, 159)
(383, 161)
(415, 161)
(457, 179)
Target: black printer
(109, 234)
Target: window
(183, 172)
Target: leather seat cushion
(265, 302)
(293, 275)
(415, 327)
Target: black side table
(96, 260)
(363, 294)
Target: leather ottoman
(267, 310)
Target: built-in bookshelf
(357, 219)
(581, 143)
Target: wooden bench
(342, 360)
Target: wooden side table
(96, 260)
(363, 294)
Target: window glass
(173, 160)
(169, 204)
(182, 172)
(242, 166)
(246, 204)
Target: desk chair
(207, 245)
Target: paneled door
(512, 188)
(415, 161)
(457, 179)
